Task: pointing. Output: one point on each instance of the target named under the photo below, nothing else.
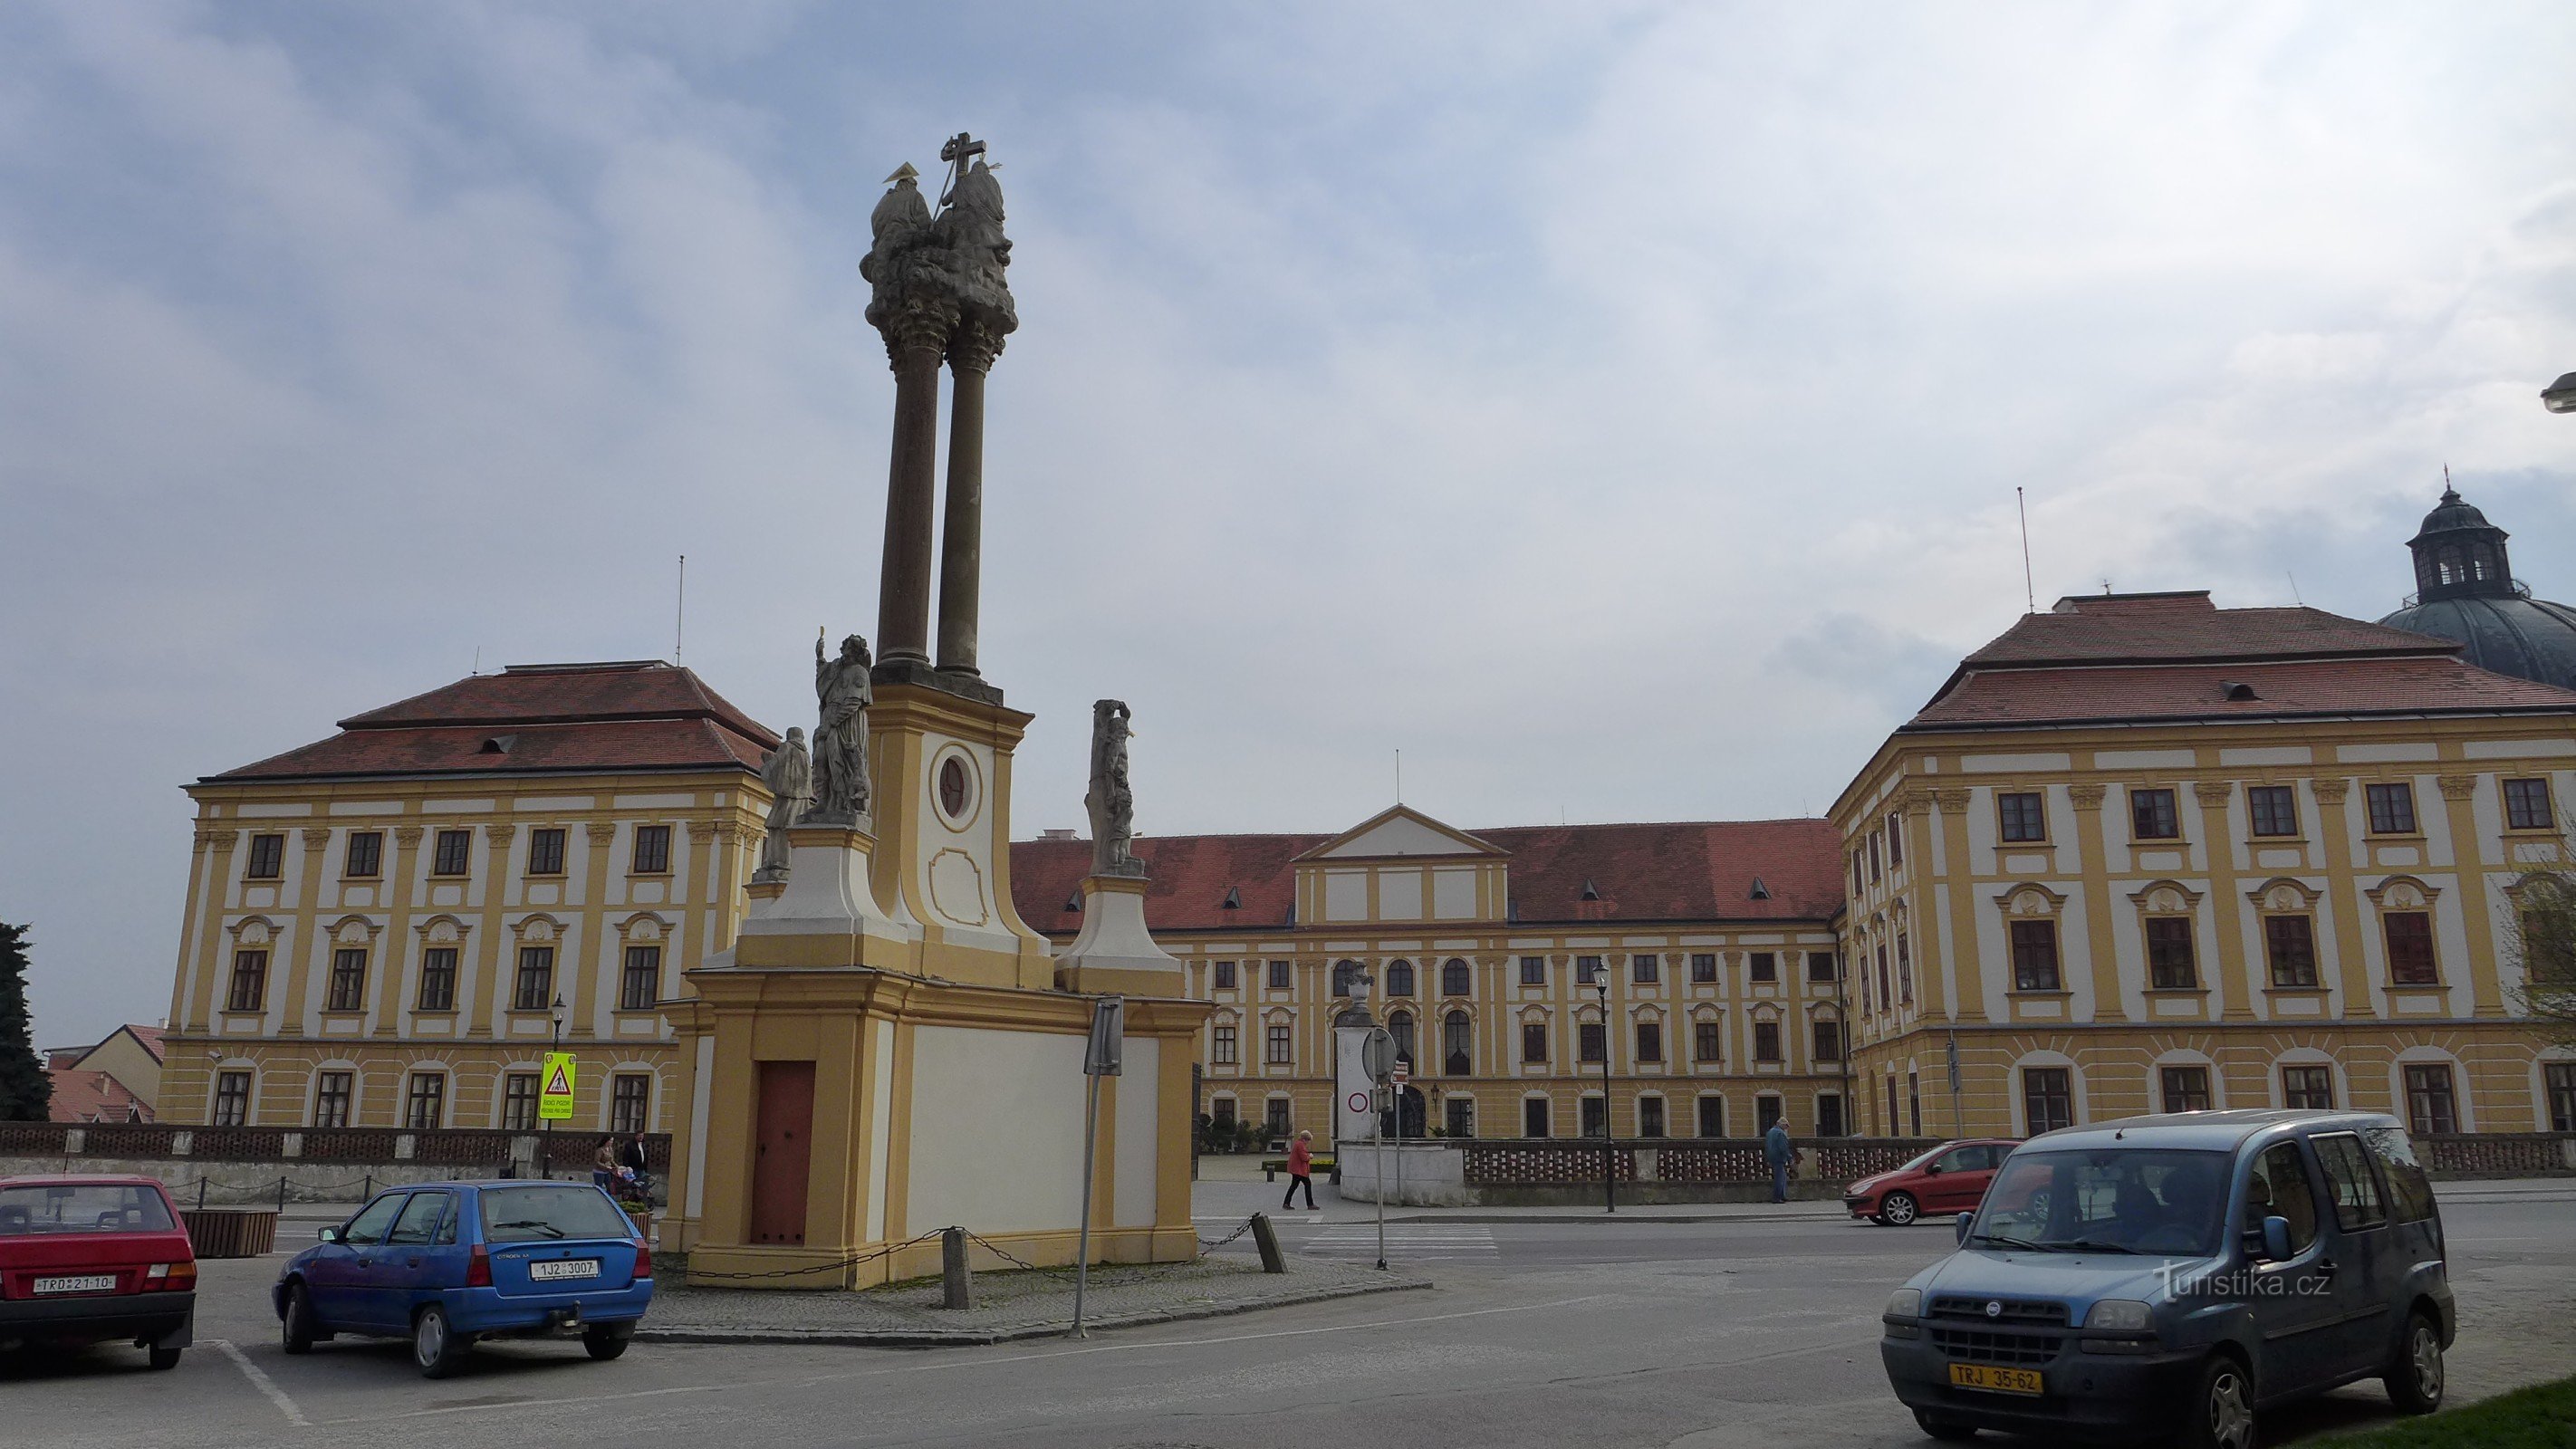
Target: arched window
(1455, 979)
(1400, 1026)
(1345, 975)
(1457, 1037)
(1399, 978)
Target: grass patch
(2540, 1417)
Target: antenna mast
(680, 619)
(2029, 591)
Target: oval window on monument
(955, 789)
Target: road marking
(262, 1382)
(539, 1403)
(1359, 1240)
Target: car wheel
(2221, 1415)
(165, 1359)
(297, 1323)
(1944, 1428)
(435, 1347)
(606, 1340)
(2415, 1380)
(1898, 1209)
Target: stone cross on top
(958, 152)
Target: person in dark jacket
(1779, 1152)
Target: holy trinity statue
(841, 734)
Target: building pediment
(1401, 831)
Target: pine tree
(26, 1093)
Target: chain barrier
(1206, 1246)
(839, 1265)
(1007, 1256)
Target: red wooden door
(782, 1153)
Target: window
(2308, 1089)
(2559, 1078)
(630, 1103)
(418, 1225)
(1224, 975)
(546, 851)
(1828, 1041)
(1873, 859)
(1534, 1117)
(2278, 1187)
(1913, 1103)
(249, 990)
(1712, 1116)
(1533, 970)
(1766, 1110)
(1650, 1116)
(1705, 1041)
(1886, 998)
(332, 1094)
(425, 1104)
(1279, 975)
(232, 1099)
(348, 990)
(1703, 968)
(1766, 1041)
(641, 984)
(2170, 964)
(1891, 1104)
(1346, 975)
(1645, 970)
(2349, 1185)
(453, 850)
(2034, 953)
(371, 1224)
(2430, 1107)
(2410, 1188)
(2410, 948)
(2186, 1089)
(2274, 808)
(652, 850)
(1457, 1039)
(1224, 1052)
(2020, 818)
(364, 856)
(1400, 1027)
(1399, 979)
(1461, 1112)
(1650, 1041)
(2151, 815)
(437, 979)
(1221, 1113)
(2290, 945)
(1585, 969)
(1274, 1117)
(1593, 1119)
(1455, 978)
(535, 988)
(2526, 805)
(1533, 1041)
(1904, 971)
(1762, 966)
(1279, 1044)
(519, 1102)
(1820, 968)
(2047, 1098)
(1895, 841)
(1591, 1041)
(1829, 1114)
(267, 858)
(2392, 809)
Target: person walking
(603, 1164)
(1301, 1170)
(1779, 1152)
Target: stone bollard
(1266, 1238)
(957, 1283)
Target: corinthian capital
(2213, 793)
(918, 324)
(2086, 797)
(2330, 792)
(2457, 787)
(974, 346)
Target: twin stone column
(917, 342)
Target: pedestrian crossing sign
(554, 1104)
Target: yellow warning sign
(554, 1104)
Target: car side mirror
(1931, 1169)
(1967, 1225)
(2276, 1239)
(328, 1235)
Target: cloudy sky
(1616, 408)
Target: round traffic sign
(1377, 1053)
(1357, 1102)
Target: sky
(1616, 408)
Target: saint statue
(790, 778)
(841, 734)
(1111, 802)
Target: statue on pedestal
(1111, 802)
(842, 690)
(790, 778)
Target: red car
(1951, 1178)
(92, 1260)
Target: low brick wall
(238, 1166)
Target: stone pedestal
(1114, 953)
(825, 913)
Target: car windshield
(82, 1207)
(2150, 1201)
(1911, 1163)
(542, 1214)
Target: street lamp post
(1609, 1148)
(556, 1015)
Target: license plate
(557, 1269)
(87, 1283)
(1996, 1380)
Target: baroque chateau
(2139, 853)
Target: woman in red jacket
(1301, 1167)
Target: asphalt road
(1551, 1332)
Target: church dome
(2465, 592)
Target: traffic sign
(1377, 1054)
(1358, 1102)
(554, 1103)
(1403, 1070)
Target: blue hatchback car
(446, 1263)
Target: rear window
(542, 1214)
(2409, 1189)
(92, 1207)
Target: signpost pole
(1379, 1150)
(1958, 1121)
(1100, 1058)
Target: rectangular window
(2410, 948)
(1585, 969)
(1650, 1116)
(1221, 1113)
(2560, 1079)
(1533, 1041)
(2430, 1107)
(348, 989)
(1592, 1119)
(267, 858)
(2392, 809)
(1533, 970)
(1820, 968)
(1703, 968)
(1762, 966)
(2290, 946)
(1461, 1112)
(2274, 808)
(652, 850)
(2020, 818)
(1895, 841)
(1913, 1104)
(1766, 1110)
(2034, 953)
(630, 1103)
(2171, 965)
(1705, 1041)
(425, 1105)
(1828, 1041)
(1279, 975)
(333, 1095)
(249, 989)
(1274, 1117)
(2152, 816)
(1645, 970)
(1400, 1027)
(2526, 805)
(535, 988)
(1904, 972)
(1766, 1041)
(641, 984)
(2308, 1089)
(1829, 1114)
(2349, 1181)
(1224, 1052)
(1281, 1042)
(2047, 1099)
(1534, 1117)
(1873, 860)
(1712, 1116)
(232, 1099)
(438, 979)
(455, 849)
(364, 856)
(1650, 1041)
(546, 851)
(1224, 975)
(1591, 1042)
(2186, 1088)
(519, 1102)
(1886, 998)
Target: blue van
(2166, 1277)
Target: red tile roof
(2122, 628)
(537, 719)
(1678, 871)
(85, 1096)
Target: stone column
(915, 337)
(961, 544)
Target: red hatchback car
(92, 1260)
(1951, 1178)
